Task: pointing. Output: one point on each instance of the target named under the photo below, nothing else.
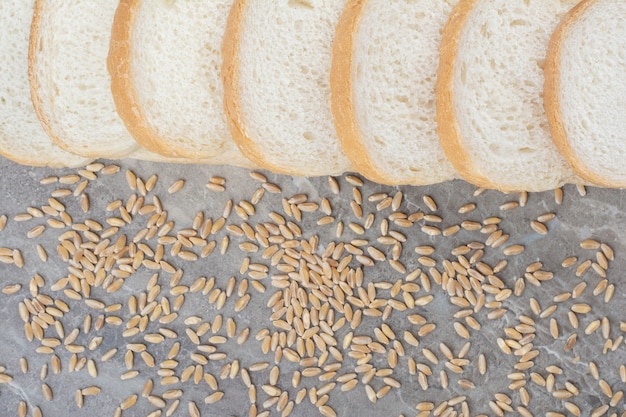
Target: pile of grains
(143, 290)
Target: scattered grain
(176, 186)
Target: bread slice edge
(342, 97)
(552, 102)
(231, 79)
(447, 124)
(35, 85)
(122, 87)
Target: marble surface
(598, 215)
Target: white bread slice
(276, 69)
(165, 63)
(69, 80)
(22, 139)
(385, 60)
(585, 90)
(490, 112)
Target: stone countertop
(521, 309)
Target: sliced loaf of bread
(385, 60)
(490, 111)
(165, 62)
(276, 69)
(71, 88)
(22, 139)
(585, 90)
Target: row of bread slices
(404, 92)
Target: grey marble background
(599, 215)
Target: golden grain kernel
(539, 227)
(176, 186)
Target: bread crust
(447, 123)
(342, 97)
(552, 102)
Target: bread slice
(22, 139)
(585, 90)
(276, 69)
(69, 80)
(165, 62)
(385, 60)
(490, 112)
